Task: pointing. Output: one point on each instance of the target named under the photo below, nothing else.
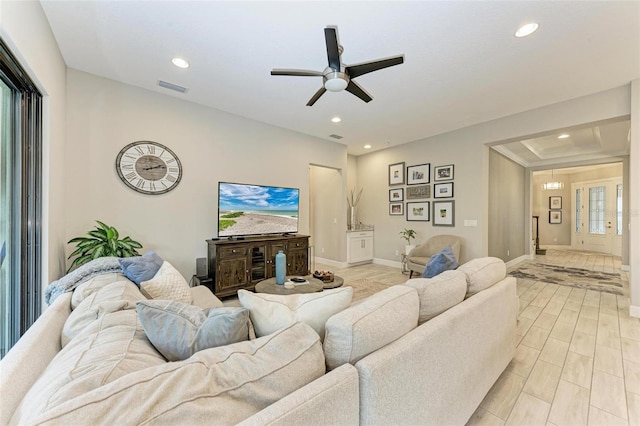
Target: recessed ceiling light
(563, 136)
(367, 146)
(180, 63)
(527, 29)
(336, 119)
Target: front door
(595, 220)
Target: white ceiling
(462, 63)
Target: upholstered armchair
(419, 256)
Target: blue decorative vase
(281, 267)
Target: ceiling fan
(337, 77)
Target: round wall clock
(149, 167)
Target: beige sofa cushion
(439, 293)
(96, 299)
(104, 351)
(482, 273)
(371, 324)
(271, 312)
(221, 385)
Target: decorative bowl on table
(324, 276)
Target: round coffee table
(269, 286)
(337, 282)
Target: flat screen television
(256, 209)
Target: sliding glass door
(20, 200)
(7, 237)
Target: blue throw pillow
(440, 262)
(141, 268)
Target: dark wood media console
(241, 264)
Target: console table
(241, 263)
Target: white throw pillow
(167, 284)
(272, 312)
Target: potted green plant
(102, 241)
(408, 234)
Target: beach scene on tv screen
(254, 209)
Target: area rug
(571, 277)
(365, 287)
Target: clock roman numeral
(140, 183)
(172, 160)
(151, 149)
(171, 178)
(140, 151)
(127, 167)
(152, 186)
(173, 170)
(131, 176)
(131, 157)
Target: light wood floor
(578, 351)
(578, 355)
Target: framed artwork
(396, 195)
(396, 174)
(444, 213)
(443, 173)
(396, 209)
(555, 216)
(417, 175)
(555, 202)
(443, 190)
(418, 211)
(418, 191)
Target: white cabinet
(359, 246)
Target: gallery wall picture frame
(444, 213)
(418, 192)
(419, 211)
(419, 174)
(443, 190)
(555, 202)
(396, 174)
(396, 194)
(555, 216)
(396, 209)
(442, 173)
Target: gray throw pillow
(178, 330)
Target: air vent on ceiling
(335, 136)
(172, 86)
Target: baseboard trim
(517, 260)
(634, 311)
(386, 262)
(332, 263)
(559, 247)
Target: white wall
(467, 149)
(104, 116)
(23, 26)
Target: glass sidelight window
(20, 200)
(597, 210)
(578, 210)
(619, 209)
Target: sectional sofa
(426, 352)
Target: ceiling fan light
(335, 84)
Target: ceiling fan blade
(333, 54)
(367, 67)
(298, 73)
(315, 97)
(355, 89)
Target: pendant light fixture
(553, 184)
